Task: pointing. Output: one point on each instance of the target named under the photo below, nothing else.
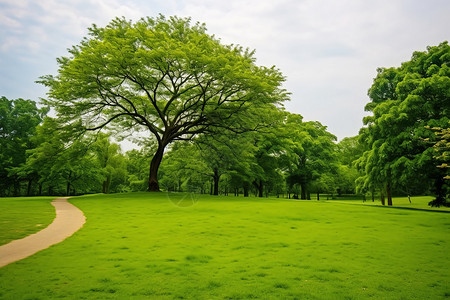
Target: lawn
(143, 246)
(22, 216)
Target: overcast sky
(328, 49)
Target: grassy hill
(180, 246)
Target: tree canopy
(167, 77)
(404, 102)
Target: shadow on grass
(413, 208)
(397, 207)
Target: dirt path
(67, 221)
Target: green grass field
(22, 216)
(143, 246)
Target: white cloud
(8, 21)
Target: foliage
(441, 146)
(207, 161)
(137, 162)
(442, 151)
(184, 170)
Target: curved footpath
(68, 220)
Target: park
(229, 195)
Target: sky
(329, 50)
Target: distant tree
(63, 167)
(182, 164)
(206, 158)
(220, 154)
(18, 121)
(345, 179)
(313, 153)
(349, 150)
(164, 76)
(403, 101)
(111, 161)
(137, 162)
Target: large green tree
(165, 76)
(404, 101)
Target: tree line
(210, 120)
(291, 157)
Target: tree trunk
(389, 195)
(40, 189)
(29, 187)
(106, 184)
(68, 188)
(216, 178)
(245, 190)
(382, 196)
(303, 193)
(16, 191)
(439, 188)
(68, 183)
(318, 197)
(153, 185)
(260, 188)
